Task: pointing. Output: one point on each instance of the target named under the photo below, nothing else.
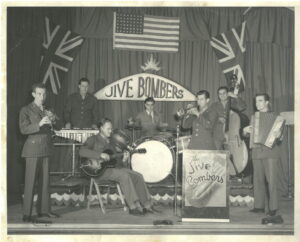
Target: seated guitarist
(132, 183)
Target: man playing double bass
(221, 107)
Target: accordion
(264, 127)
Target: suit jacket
(149, 126)
(202, 126)
(38, 142)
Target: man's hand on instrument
(247, 130)
(180, 112)
(68, 125)
(193, 111)
(45, 120)
(104, 156)
(222, 120)
(231, 94)
(126, 156)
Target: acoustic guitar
(233, 142)
(96, 167)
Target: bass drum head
(156, 164)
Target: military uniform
(36, 150)
(81, 113)
(202, 126)
(237, 105)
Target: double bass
(233, 142)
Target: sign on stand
(205, 186)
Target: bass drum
(157, 163)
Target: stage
(79, 220)
(71, 204)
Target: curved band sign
(143, 85)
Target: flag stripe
(146, 36)
(161, 19)
(130, 39)
(147, 42)
(153, 48)
(161, 26)
(161, 32)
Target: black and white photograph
(149, 120)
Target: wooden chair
(102, 184)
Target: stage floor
(79, 220)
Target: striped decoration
(145, 32)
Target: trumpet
(182, 111)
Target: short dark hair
(149, 99)
(265, 95)
(223, 88)
(38, 85)
(83, 79)
(203, 92)
(103, 121)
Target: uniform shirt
(38, 142)
(202, 126)
(95, 145)
(81, 113)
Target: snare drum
(183, 143)
(157, 163)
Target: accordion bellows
(265, 125)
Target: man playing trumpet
(201, 119)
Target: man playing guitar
(132, 183)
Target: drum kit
(163, 148)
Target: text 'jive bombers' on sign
(140, 86)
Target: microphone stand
(176, 168)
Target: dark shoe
(27, 219)
(257, 210)
(271, 213)
(136, 212)
(150, 210)
(272, 220)
(48, 215)
(34, 220)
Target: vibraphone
(79, 136)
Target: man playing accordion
(265, 158)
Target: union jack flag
(58, 52)
(230, 50)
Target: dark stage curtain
(269, 62)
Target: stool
(108, 184)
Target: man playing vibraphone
(81, 110)
(265, 162)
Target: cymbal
(133, 127)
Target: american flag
(145, 32)
(230, 48)
(58, 52)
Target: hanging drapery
(269, 62)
